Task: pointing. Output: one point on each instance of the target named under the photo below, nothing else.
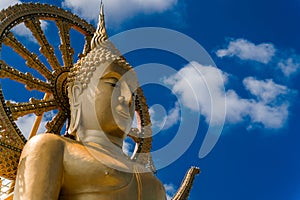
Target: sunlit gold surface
(101, 105)
(186, 185)
(11, 139)
(94, 166)
(74, 170)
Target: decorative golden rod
(38, 120)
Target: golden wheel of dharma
(45, 74)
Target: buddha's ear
(75, 108)
(76, 94)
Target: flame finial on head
(100, 36)
(102, 50)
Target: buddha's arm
(40, 171)
(152, 187)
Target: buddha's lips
(124, 114)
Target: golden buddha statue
(102, 89)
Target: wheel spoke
(56, 123)
(46, 49)
(87, 45)
(38, 120)
(27, 79)
(65, 47)
(31, 58)
(38, 107)
(53, 77)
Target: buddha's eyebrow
(117, 77)
(110, 75)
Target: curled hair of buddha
(84, 68)
(103, 51)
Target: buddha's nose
(121, 99)
(125, 96)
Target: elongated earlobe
(75, 120)
(75, 108)
(76, 94)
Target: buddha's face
(114, 100)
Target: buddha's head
(104, 94)
(102, 89)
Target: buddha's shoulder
(48, 140)
(44, 144)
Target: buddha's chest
(93, 174)
(90, 170)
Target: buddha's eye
(114, 84)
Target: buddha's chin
(119, 131)
(124, 126)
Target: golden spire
(186, 185)
(100, 36)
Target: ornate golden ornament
(11, 138)
(54, 84)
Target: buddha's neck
(101, 138)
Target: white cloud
(197, 87)
(289, 66)
(170, 190)
(236, 108)
(158, 115)
(23, 31)
(117, 10)
(5, 3)
(255, 112)
(127, 148)
(162, 120)
(246, 50)
(271, 117)
(265, 53)
(173, 117)
(25, 123)
(89, 11)
(271, 104)
(267, 104)
(266, 91)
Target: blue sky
(255, 47)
